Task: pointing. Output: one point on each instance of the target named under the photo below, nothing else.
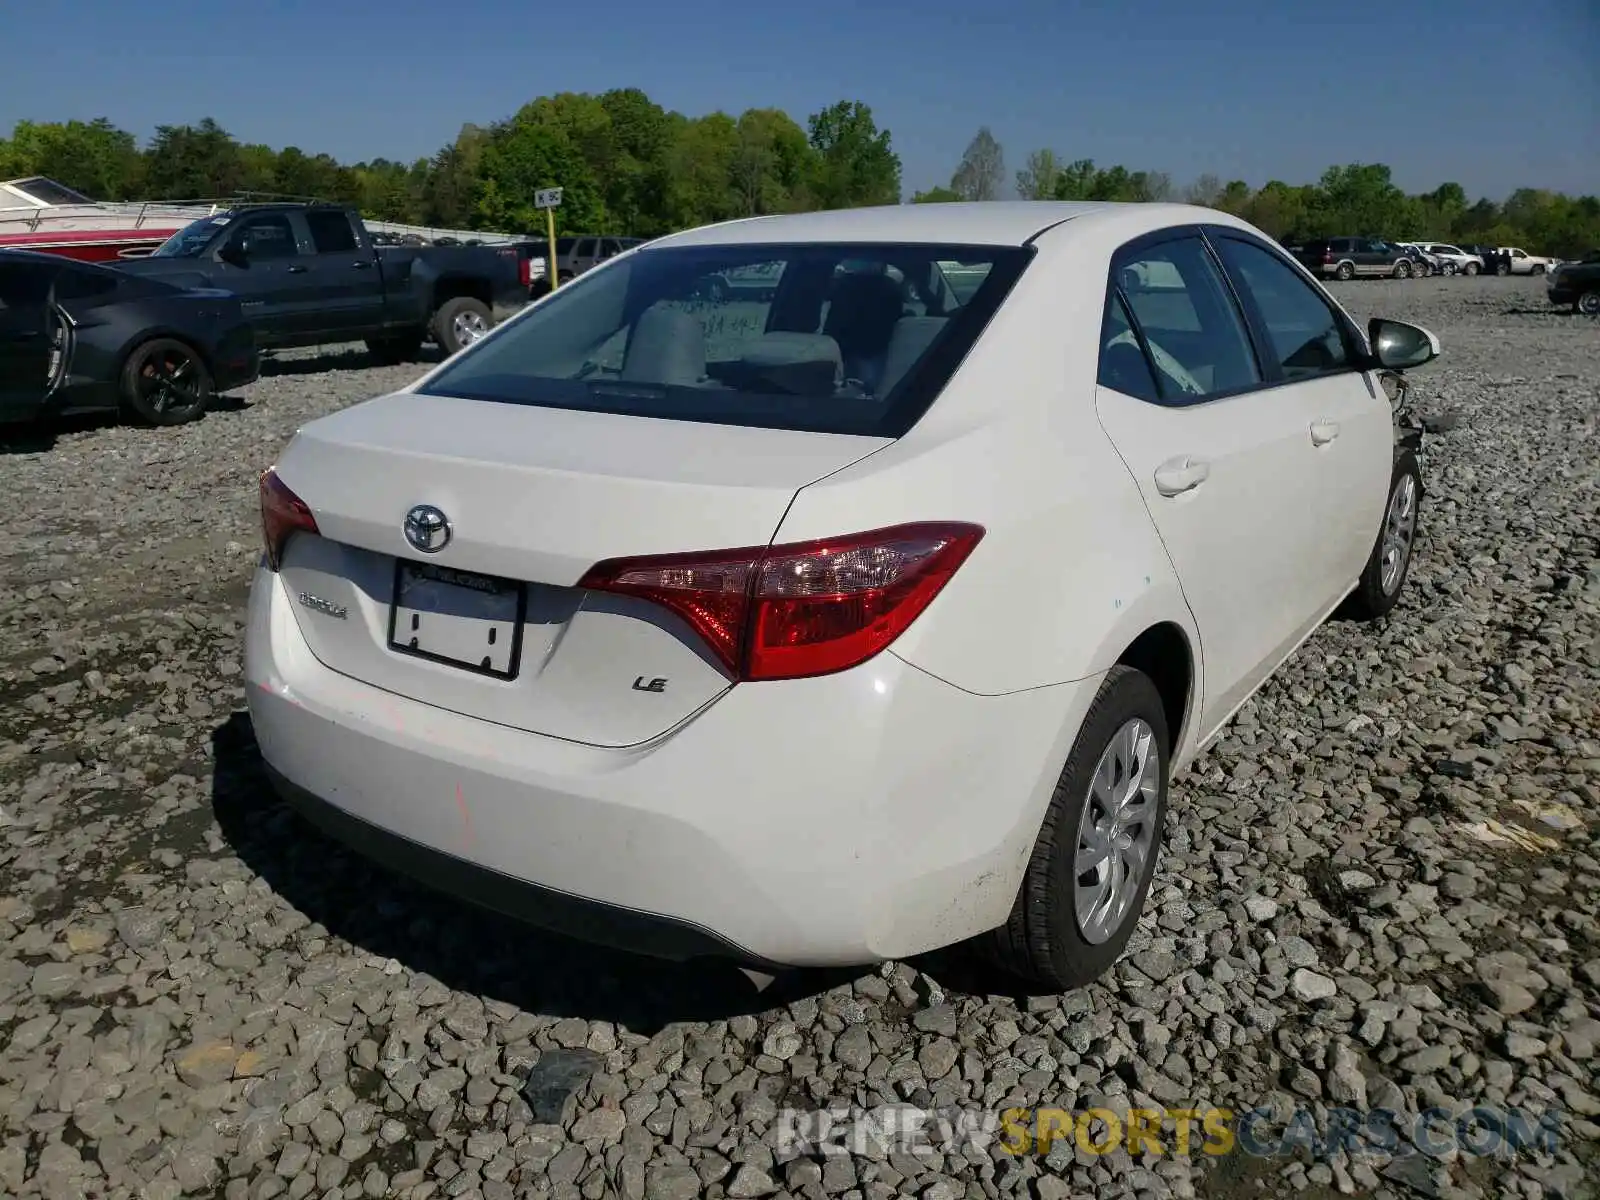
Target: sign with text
(547, 198)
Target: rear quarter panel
(1070, 569)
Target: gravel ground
(1379, 889)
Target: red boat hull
(90, 245)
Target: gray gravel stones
(1379, 889)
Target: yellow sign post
(549, 199)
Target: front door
(27, 344)
(264, 265)
(1220, 455)
(1312, 349)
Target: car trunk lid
(533, 497)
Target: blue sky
(1490, 93)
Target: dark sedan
(77, 337)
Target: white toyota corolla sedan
(829, 588)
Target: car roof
(977, 223)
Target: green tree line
(631, 167)
(1354, 200)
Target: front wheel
(1384, 576)
(1091, 868)
(165, 382)
(459, 322)
(1589, 304)
(1471, 268)
(1402, 270)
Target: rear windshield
(851, 338)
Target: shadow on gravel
(1548, 311)
(346, 359)
(40, 436)
(466, 948)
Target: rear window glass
(854, 339)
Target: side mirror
(236, 252)
(1398, 346)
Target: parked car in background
(1516, 261)
(1489, 256)
(310, 275)
(1350, 257)
(841, 626)
(1452, 259)
(1422, 263)
(76, 337)
(1577, 284)
(576, 255)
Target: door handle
(1323, 432)
(362, 266)
(1179, 475)
(297, 270)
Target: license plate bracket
(458, 619)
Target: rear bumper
(575, 916)
(873, 814)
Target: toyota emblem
(427, 529)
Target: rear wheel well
(451, 286)
(1162, 653)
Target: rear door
(27, 364)
(345, 273)
(1221, 456)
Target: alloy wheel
(468, 327)
(170, 381)
(1399, 531)
(1117, 832)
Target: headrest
(668, 346)
(910, 341)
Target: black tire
(1470, 269)
(1344, 271)
(1588, 304)
(451, 323)
(1042, 943)
(1538, 268)
(1450, 268)
(1402, 270)
(1503, 269)
(399, 348)
(166, 382)
(1371, 599)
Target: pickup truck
(1517, 261)
(311, 275)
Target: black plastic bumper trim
(558, 912)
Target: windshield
(191, 239)
(855, 338)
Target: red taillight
(1327, 256)
(282, 513)
(809, 608)
(525, 271)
